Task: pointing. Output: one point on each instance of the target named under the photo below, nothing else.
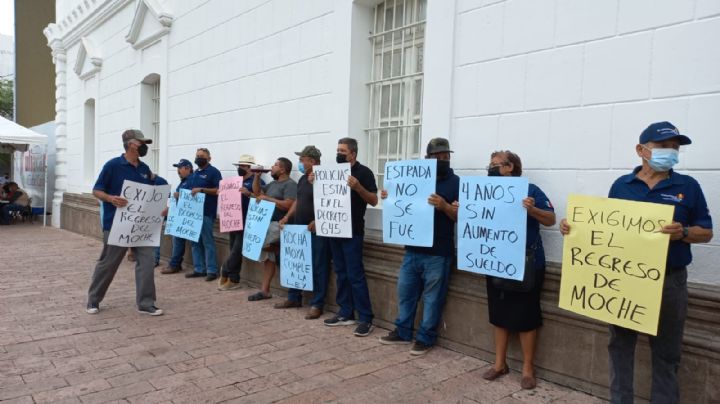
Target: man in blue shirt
(230, 271)
(655, 181)
(184, 170)
(425, 271)
(107, 189)
(205, 179)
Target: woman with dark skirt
(516, 311)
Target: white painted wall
(569, 85)
(566, 84)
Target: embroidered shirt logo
(675, 198)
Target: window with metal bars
(396, 82)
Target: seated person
(18, 201)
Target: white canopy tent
(14, 137)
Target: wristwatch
(686, 231)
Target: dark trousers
(352, 289)
(666, 347)
(233, 264)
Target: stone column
(60, 60)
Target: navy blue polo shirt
(111, 179)
(681, 191)
(443, 227)
(208, 177)
(533, 226)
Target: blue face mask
(301, 167)
(663, 159)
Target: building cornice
(84, 18)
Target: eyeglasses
(491, 166)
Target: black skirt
(516, 311)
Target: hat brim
(441, 151)
(243, 163)
(682, 139)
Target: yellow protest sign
(614, 261)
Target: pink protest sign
(231, 218)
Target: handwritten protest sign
(139, 223)
(185, 216)
(331, 197)
(492, 226)
(296, 257)
(407, 216)
(614, 261)
(231, 218)
(256, 227)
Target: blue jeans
(178, 252)
(321, 273)
(422, 276)
(203, 252)
(665, 348)
(352, 289)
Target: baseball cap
(183, 163)
(310, 151)
(246, 160)
(135, 134)
(438, 145)
(659, 131)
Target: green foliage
(6, 98)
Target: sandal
(258, 296)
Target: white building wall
(566, 84)
(569, 85)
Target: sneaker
(364, 329)
(195, 274)
(211, 277)
(393, 338)
(229, 285)
(419, 348)
(92, 308)
(338, 320)
(152, 311)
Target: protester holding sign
(425, 271)
(519, 311)
(352, 290)
(206, 180)
(184, 169)
(107, 189)
(282, 191)
(230, 271)
(302, 213)
(655, 181)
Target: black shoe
(210, 277)
(363, 329)
(393, 339)
(195, 274)
(419, 348)
(338, 320)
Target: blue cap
(659, 131)
(183, 163)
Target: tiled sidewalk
(209, 347)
